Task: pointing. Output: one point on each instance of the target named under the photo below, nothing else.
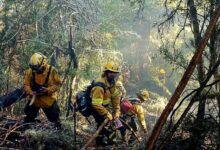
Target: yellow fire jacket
(101, 99)
(139, 111)
(54, 83)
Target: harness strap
(46, 80)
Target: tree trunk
(198, 140)
(217, 87)
(182, 84)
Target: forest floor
(43, 136)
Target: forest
(163, 54)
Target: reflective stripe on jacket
(54, 84)
(101, 99)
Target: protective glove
(109, 116)
(42, 91)
(117, 115)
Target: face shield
(37, 68)
(37, 63)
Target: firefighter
(41, 82)
(162, 75)
(131, 107)
(101, 100)
(121, 82)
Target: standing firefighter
(131, 107)
(101, 99)
(41, 82)
(162, 75)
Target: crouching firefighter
(131, 108)
(41, 82)
(101, 100)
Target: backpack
(127, 104)
(84, 100)
(134, 100)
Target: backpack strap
(46, 80)
(33, 78)
(99, 84)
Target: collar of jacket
(104, 80)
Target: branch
(194, 98)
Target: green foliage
(154, 85)
(92, 61)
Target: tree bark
(182, 84)
(200, 65)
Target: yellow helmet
(37, 61)
(162, 71)
(112, 66)
(143, 94)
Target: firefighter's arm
(116, 102)
(140, 114)
(27, 81)
(56, 83)
(97, 95)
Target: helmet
(38, 61)
(143, 94)
(113, 67)
(162, 71)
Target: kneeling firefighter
(131, 107)
(101, 100)
(41, 82)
